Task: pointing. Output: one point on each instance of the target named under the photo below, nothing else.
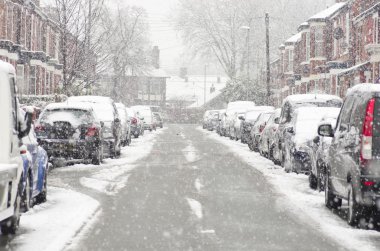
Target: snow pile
(50, 225)
(299, 197)
(196, 207)
(363, 88)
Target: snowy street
(184, 188)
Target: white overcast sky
(161, 29)
(162, 32)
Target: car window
(345, 115)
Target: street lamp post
(248, 56)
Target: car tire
(42, 197)
(331, 201)
(313, 183)
(10, 225)
(321, 172)
(136, 136)
(354, 212)
(26, 197)
(97, 157)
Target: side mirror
(241, 117)
(290, 130)
(101, 123)
(316, 140)
(117, 121)
(325, 130)
(142, 118)
(277, 120)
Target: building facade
(334, 50)
(29, 41)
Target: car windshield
(190, 125)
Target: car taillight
(92, 131)
(366, 144)
(369, 183)
(134, 121)
(39, 128)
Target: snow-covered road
(304, 202)
(68, 213)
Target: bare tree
(126, 47)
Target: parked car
(145, 114)
(126, 137)
(319, 153)
(137, 125)
(159, 119)
(36, 167)
(105, 110)
(235, 132)
(213, 121)
(257, 129)
(249, 119)
(299, 135)
(232, 109)
(267, 143)
(353, 172)
(70, 133)
(219, 122)
(14, 126)
(206, 118)
(290, 104)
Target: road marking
(196, 207)
(198, 185)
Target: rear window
(75, 117)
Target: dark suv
(353, 171)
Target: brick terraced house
(332, 51)
(29, 40)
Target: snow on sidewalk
(299, 197)
(51, 225)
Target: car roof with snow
(361, 88)
(65, 105)
(90, 99)
(315, 98)
(240, 104)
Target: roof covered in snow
(192, 90)
(294, 39)
(327, 13)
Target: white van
(12, 128)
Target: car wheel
(26, 201)
(97, 156)
(354, 212)
(136, 136)
(10, 225)
(331, 201)
(321, 171)
(42, 197)
(313, 181)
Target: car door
(31, 142)
(340, 150)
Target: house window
(319, 50)
(347, 32)
(376, 30)
(20, 79)
(307, 46)
(32, 80)
(290, 65)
